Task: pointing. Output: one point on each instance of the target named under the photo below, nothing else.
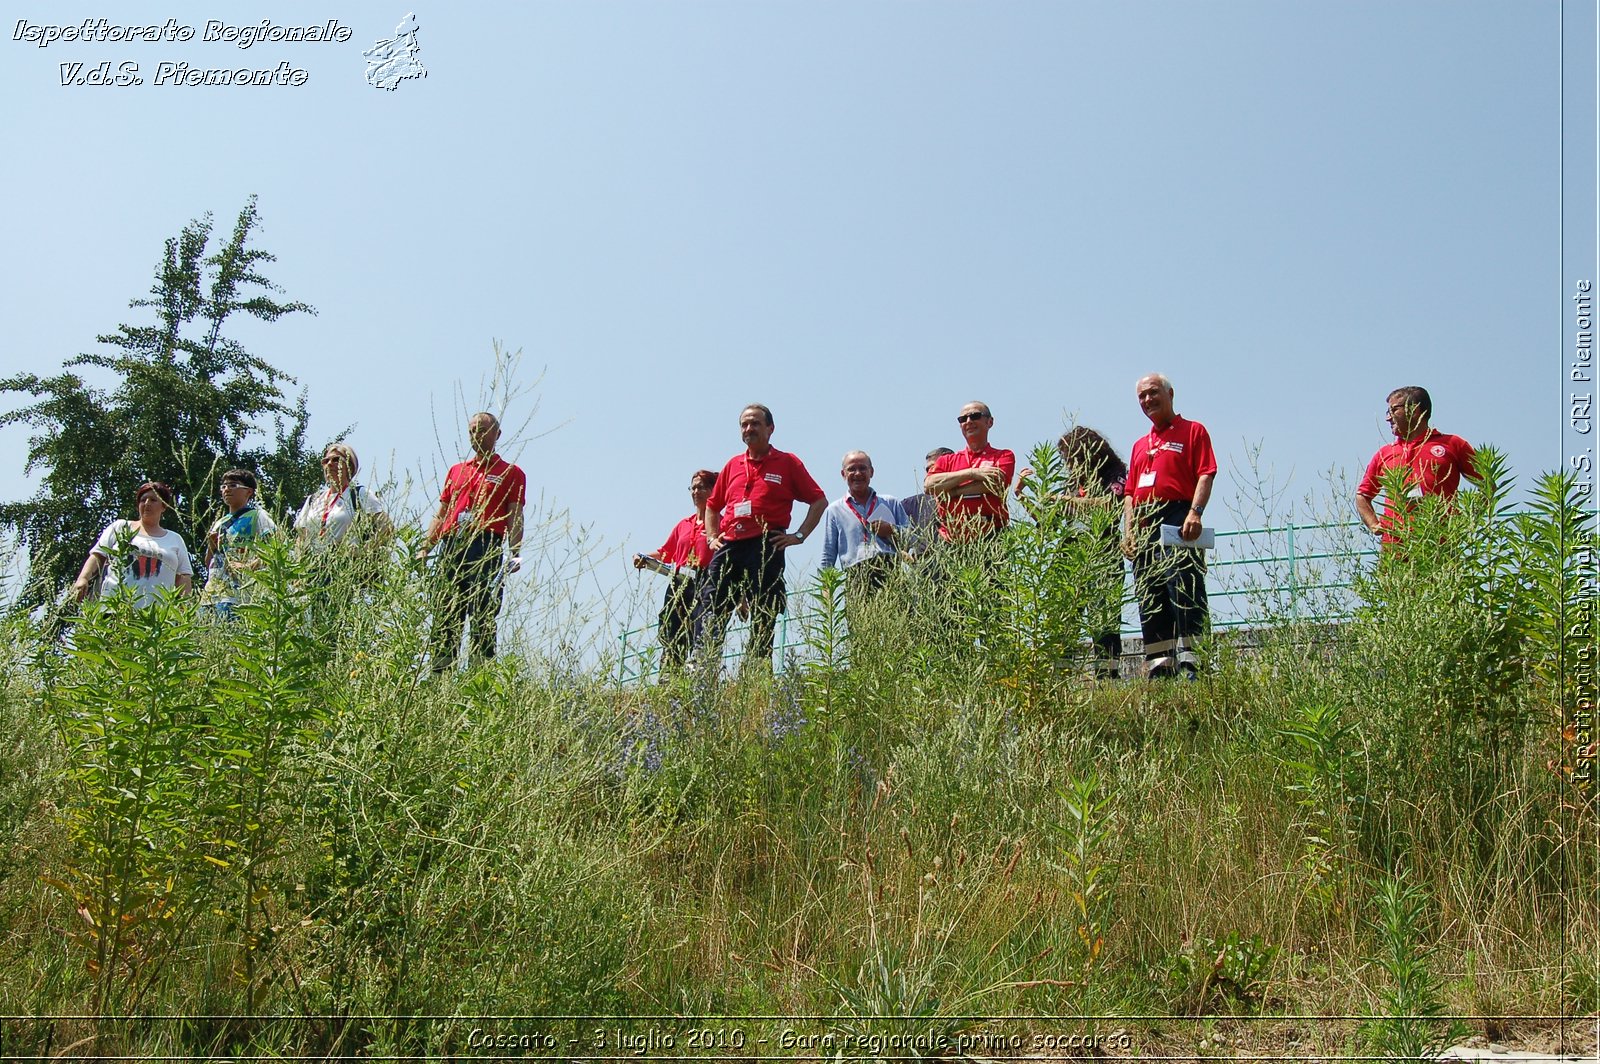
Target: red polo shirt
(490, 491)
(1434, 463)
(975, 509)
(753, 495)
(1167, 464)
(687, 544)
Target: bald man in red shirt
(1169, 483)
(971, 483)
(480, 512)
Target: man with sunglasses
(747, 516)
(230, 543)
(970, 484)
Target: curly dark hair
(1090, 455)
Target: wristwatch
(1199, 511)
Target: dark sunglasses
(962, 419)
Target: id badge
(1147, 479)
(742, 509)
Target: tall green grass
(936, 816)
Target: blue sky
(862, 213)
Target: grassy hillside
(932, 836)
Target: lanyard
(750, 475)
(749, 489)
(866, 522)
(690, 550)
(331, 503)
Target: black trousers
(468, 586)
(1170, 584)
(868, 576)
(675, 624)
(744, 570)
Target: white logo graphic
(1438, 450)
(393, 61)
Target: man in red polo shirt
(1169, 483)
(747, 516)
(1434, 463)
(480, 510)
(970, 484)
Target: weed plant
(1410, 1026)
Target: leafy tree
(187, 402)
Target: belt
(467, 532)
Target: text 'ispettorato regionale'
(171, 72)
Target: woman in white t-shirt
(329, 514)
(140, 555)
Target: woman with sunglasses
(139, 555)
(346, 530)
(329, 515)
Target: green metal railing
(1293, 593)
(1303, 572)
